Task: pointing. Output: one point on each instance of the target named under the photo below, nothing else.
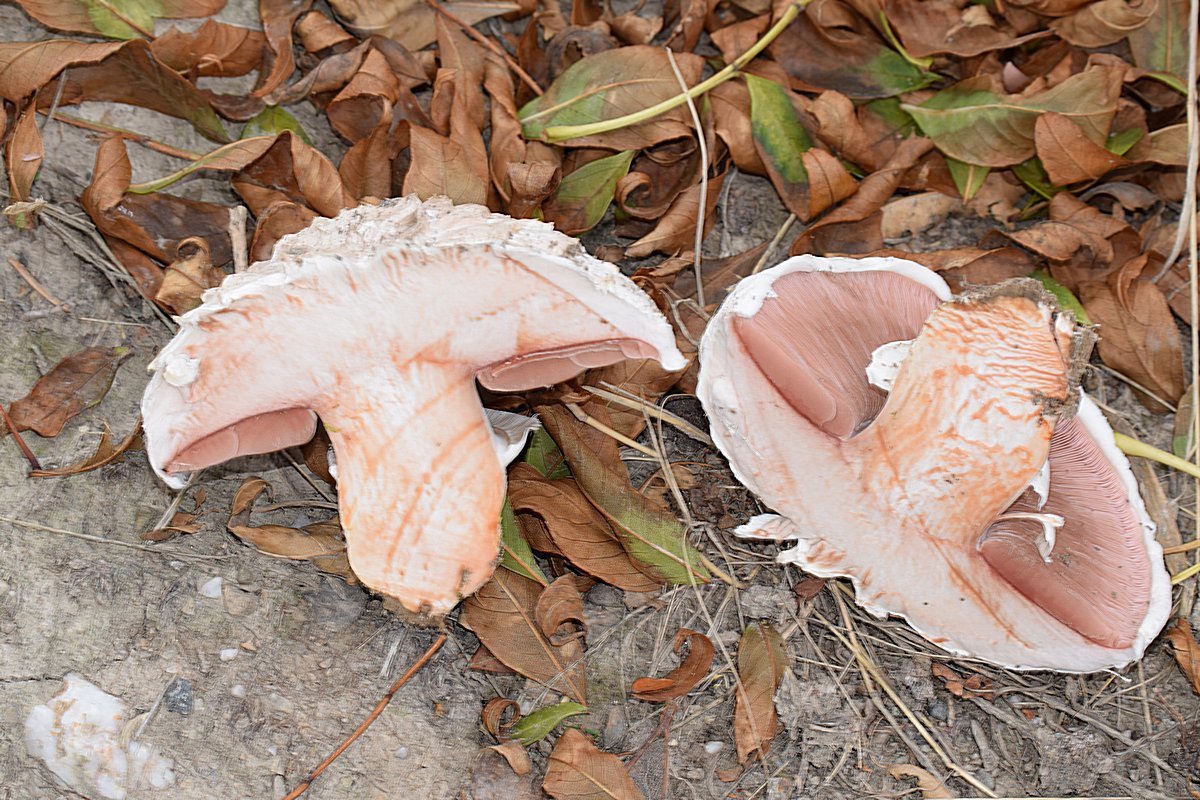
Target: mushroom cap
(379, 321)
(922, 495)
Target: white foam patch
(885, 363)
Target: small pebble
(211, 588)
(178, 697)
(237, 690)
(939, 710)
(712, 748)
(400, 752)
(228, 654)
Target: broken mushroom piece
(379, 321)
(932, 496)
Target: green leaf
(544, 456)
(777, 130)
(968, 178)
(536, 726)
(1119, 142)
(272, 120)
(123, 19)
(583, 196)
(228, 158)
(1066, 300)
(1160, 46)
(900, 121)
(1033, 174)
(649, 534)
(515, 553)
(972, 123)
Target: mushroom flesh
(979, 495)
(379, 321)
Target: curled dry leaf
(579, 771)
(1186, 651)
(188, 277)
(930, 786)
(23, 155)
(498, 715)
(682, 679)
(651, 535)
(760, 662)
(106, 453)
(578, 531)
(559, 610)
(676, 229)
(74, 384)
(503, 614)
(277, 17)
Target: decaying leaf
(74, 384)
(930, 786)
(1186, 650)
(579, 771)
(116, 20)
(682, 679)
(495, 777)
(975, 685)
(106, 453)
(760, 662)
(23, 155)
(503, 614)
(649, 533)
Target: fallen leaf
(580, 533)
(760, 663)
(577, 770)
(181, 523)
(273, 120)
(1160, 46)
(515, 554)
(584, 194)
(215, 49)
(534, 727)
(610, 84)
(498, 715)
(456, 165)
(1104, 22)
(915, 213)
(106, 453)
(730, 104)
(975, 685)
(968, 178)
(675, 232)
(484, 661)
(829, 46)
(936, 27)
(1186, 651)
(23, 156)
(1138, 336)
(277, 18)
(1067, 154)
(682, 679)
(503, 615)
(559, 609)
(188, 277)
(494, 778)
(930, 786)
(506, 147)
(648, 532)
(411, 22)
(123, 20)
(274, 222)
(974, 123)
(1167, 146)
(74, 384)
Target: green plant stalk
(1132, 447)
(560, 133)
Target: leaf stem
(1132, 447)
(559, 133)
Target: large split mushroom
(380, 321)
(938, 452)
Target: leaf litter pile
(627, 647)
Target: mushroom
(379, 321)
(933, 497)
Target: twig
(779, 234)
(24, 448)
(101, 540)
(702, 209)
(237, 238)
(1133, 447)
(558, 133)
(124, 133)
(489, 44)
(34, 283)
(635, 403)
(379, 707)
(583, 417)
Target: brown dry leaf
(1067, 154)
(915, 213)
(936, 27)
(277, 17)
(931, 788)
(963, 267)
(115, 20)
(842, 230)
(274, 222)
(676, 229)
(289, 169)
(23, 156)
(412, 22)
(498, 715)
(506, 147)
(106, 453)
(1186, 650)
(1081, 243)
(559, 610)
(366, 169)
(974, 686)
(465, 57)
(855, 134)
(74, 384)
(730, 103)
(244, 497)
(188, 277)
(579, 771)
(322, 543)
(635, 29)
(503, 615)
(317, 32)
(1104, 22)
(760, 662)
(181, 523)
(456, 165)
(484, 661)
(682, 679)
(215, 49)
(493, 777)
(1138, 336)
(316, 455)
(366, 100)
(577, 530)
(692, 15)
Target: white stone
(212, 588)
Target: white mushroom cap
(379, 321)
(922, 495)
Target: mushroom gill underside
(1070, 581)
